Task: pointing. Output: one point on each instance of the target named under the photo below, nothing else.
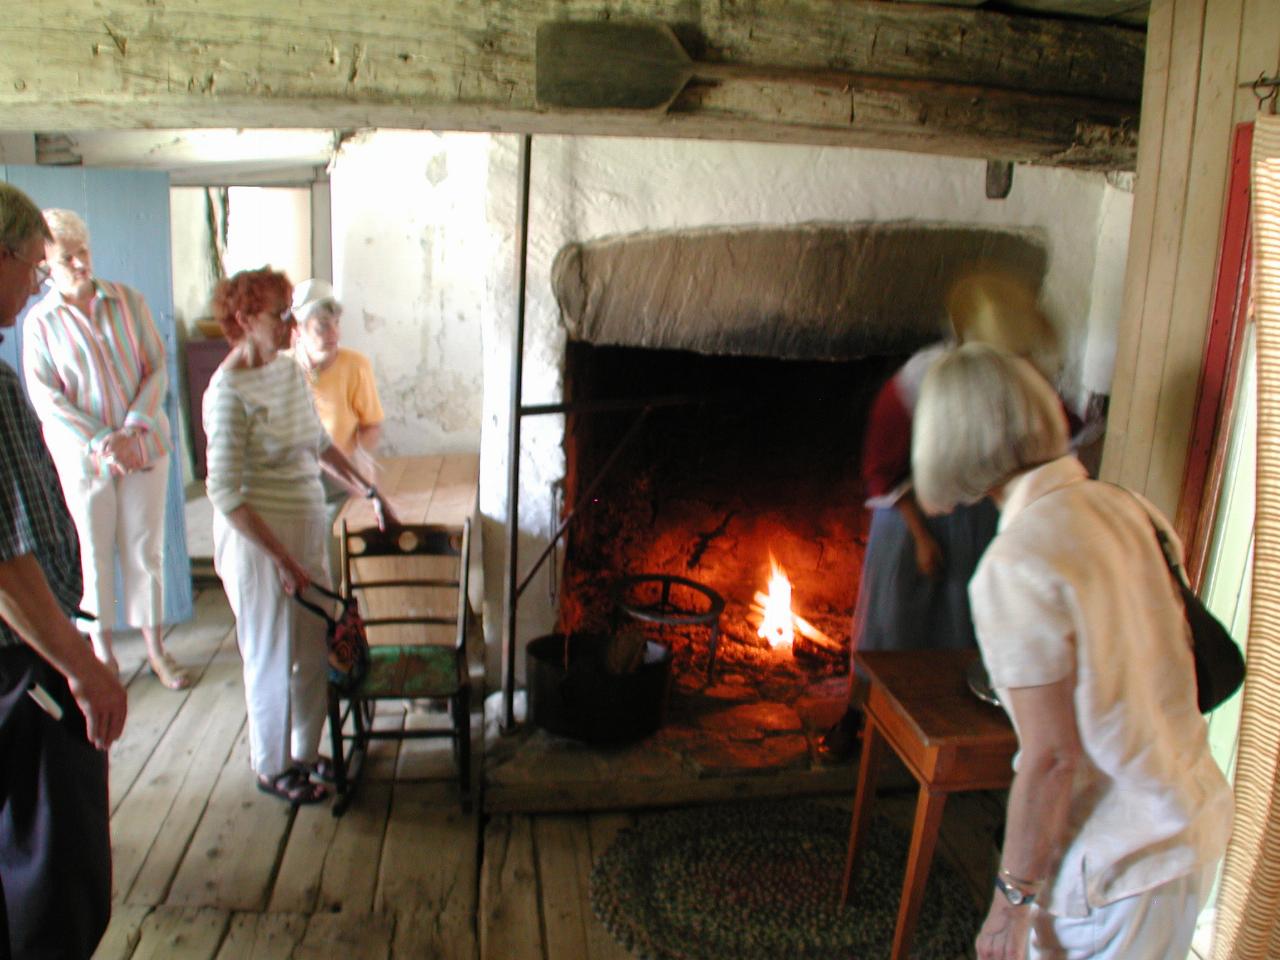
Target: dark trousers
(55, 848)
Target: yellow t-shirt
(346, 398)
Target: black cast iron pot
(587, 702)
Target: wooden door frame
(1215, 397)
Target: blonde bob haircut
(982, 417)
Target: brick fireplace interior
(775, 339)
(760, 465)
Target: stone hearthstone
(725, 741)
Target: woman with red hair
(265, 449)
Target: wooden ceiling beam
(1065, 92)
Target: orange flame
(777, 625)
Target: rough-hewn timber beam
(444, 64)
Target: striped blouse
(264, 440)
(89, 376)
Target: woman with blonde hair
(1118, 814)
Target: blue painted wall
(127, 212)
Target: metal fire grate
(666, 613)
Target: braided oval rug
(761, 881)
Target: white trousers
(281, 644)
(1156, 925)
(118, 517)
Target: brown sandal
(294, 786)
(168, 672)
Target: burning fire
(778, 624)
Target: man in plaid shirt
(60, 708)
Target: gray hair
(20, 219)
(66, 225)
(983, 416)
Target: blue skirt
(899, 608)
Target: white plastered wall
(416, 255)
(1099, 360)
(424, 239)
(587, 188)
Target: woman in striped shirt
(95, 370)
(265, 449)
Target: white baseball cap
(310, 294)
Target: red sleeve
(886, 449)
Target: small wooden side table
(919, 703)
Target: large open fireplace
(718, 383)
(744, 469)
(757, 351)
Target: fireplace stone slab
(715, 745)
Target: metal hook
(1268, 99)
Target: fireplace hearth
(757, 469)
(724, 376)
(756, 466)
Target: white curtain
(1248, 923)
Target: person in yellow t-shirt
(341, 379)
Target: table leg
(873, 745)
(924, 839)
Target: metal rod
(621, 403)
(584, 498)
(1262, 81)
(513, 447)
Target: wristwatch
(1014, 893)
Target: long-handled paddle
(633, 65)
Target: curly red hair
(247, 292)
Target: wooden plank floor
(208, 867)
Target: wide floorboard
(207, 866)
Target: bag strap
(1167, 549)
(318, 610)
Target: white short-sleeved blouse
(1075, 583)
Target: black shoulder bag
(1219, 662)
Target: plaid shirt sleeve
(33, 516)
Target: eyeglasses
(39, 266)
(284, 316)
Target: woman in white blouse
(265, 449)
(1117, 815)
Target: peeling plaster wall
(1099, 361)
(424, 229)
(192, 251)
(412, 249)
(583, 188)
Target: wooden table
(920, 705)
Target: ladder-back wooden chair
(411, 584)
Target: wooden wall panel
(1192, 282)
(1198, 51)
(1150, 149)
(1259, 52)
